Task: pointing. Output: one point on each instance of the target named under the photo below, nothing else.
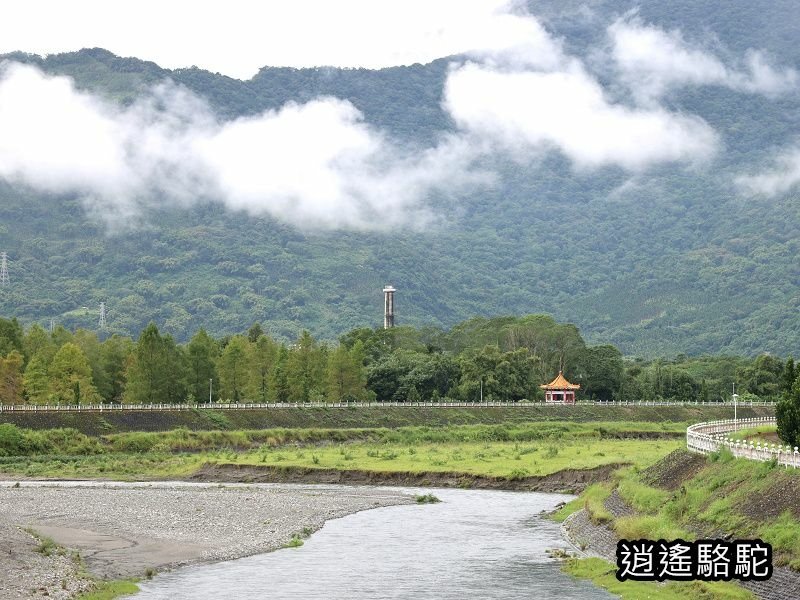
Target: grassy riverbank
(511, 451)
(745, 499)
(15, 441)
(502, 459)
(601, 573)
(108, 590)
(689, 496)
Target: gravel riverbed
(121, 530)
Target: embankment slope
(98, 423)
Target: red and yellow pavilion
(560, 390)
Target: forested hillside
(674, 259)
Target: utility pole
(4, 278)
(210, 387)
(481, 390)
(102, 323)
(52, 326)
(735, 402)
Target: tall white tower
(4, 279)
(101, 325)
(388, 306)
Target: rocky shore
(591, 539)
(124, 530)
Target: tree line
(497, 359)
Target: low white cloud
(651, 61)
(761, 77)
(783, 176)
(567, 110)
(314, 165)
(246, 35)
(530, 100)
(319, 164)
(517, 40)
(51, 135)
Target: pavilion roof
(560, 383)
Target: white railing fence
(705, 438)
(261, 406)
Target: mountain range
(674, 256)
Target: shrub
(722, 455)
(517, 474)
(426, 499)
(136, 442)
(12, 440)
(295, 542)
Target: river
(474, 544)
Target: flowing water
(474, 544)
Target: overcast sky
(237, 37)
(519, 94)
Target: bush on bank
(16, 441)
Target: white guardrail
(705, 438)
(256, 406)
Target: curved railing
(705, 438)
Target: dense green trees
(11, 378)
(70, 377)
(503, 376)
(305, 370)
(601, 372)
(346, 377)
(10, 336)
(789, 375)
(233, 369)
(117, 356)
(788, 415)
(262, 359)
(202, 352)
(157, 373)
(36, 379)
(506, 358)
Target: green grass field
(763, 433)
(511, 460)
(506, 451)
(500, 459)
